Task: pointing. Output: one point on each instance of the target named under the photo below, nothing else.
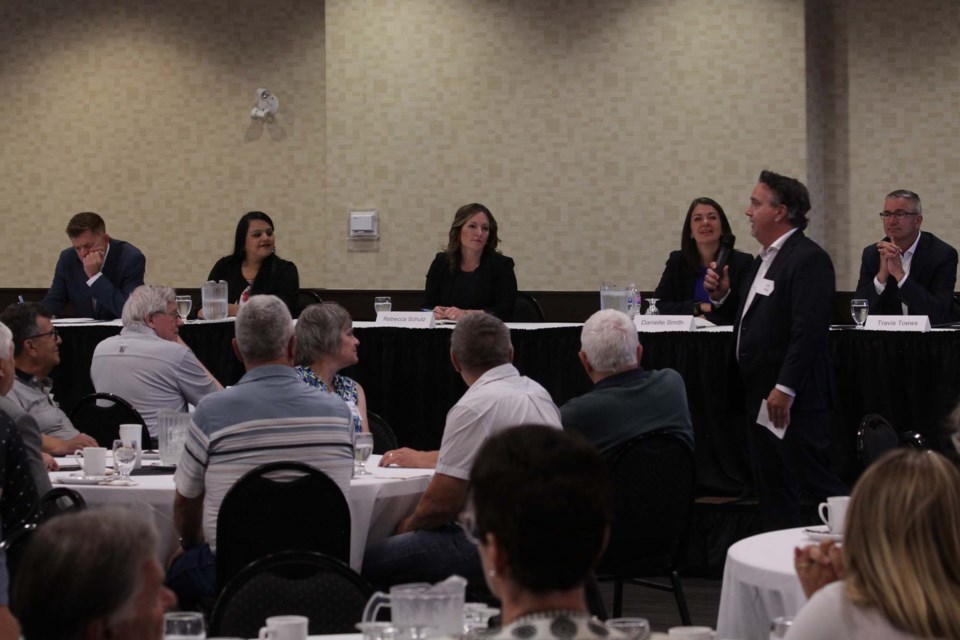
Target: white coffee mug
(93, 460)
(285, 628)
(836, 513)
(691, 633)
(134, 433)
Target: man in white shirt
(428, 546)
(908, 272)
(148, 365)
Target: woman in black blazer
(681, 286)
(254, 266)
(471, 276)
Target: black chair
(302, 510)
(100, 415)
(58, 501)
(15, 546)
(384, 438)
(876, 436)
(526, 309)
(306, 297)
(653, 475)
(304, 583)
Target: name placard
(660, 324)
(898, 323)
(408, 319)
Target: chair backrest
(526, 309)
(58, 501)
(384, 438)
(875, 437)
(261, 515)
(653, 476)
(305, 583)
(306, 297)
(14, 545)
(100, 415)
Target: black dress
(276, 276)
(492, 286)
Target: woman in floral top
(325, 345)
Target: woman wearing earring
(254, 266)
(681, 290)
(471, 276)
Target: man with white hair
(268, 416)
(148, 365)
(102, 567)
(38, 461)
(626, 401)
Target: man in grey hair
(148, 364)
(908, 272)
(429, 546)
(625, 401)
(268, 416)
(92, 575)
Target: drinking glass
(859, 310)
(184, 304)
(382, 303)
(183, 625)
(632, 628)
(362, 448)
(652, 309)
(125, 457)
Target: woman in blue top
(681, 289)
(325, 345)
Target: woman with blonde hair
(897, 574)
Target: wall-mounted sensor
(363, 225)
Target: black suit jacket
(675, 291)
(491, 287)
(122, 273)
(928, 290)
(784, 337)
(277, 277)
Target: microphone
(726, 246)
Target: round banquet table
(760, 584)
(377, 502)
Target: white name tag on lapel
(765, 287)
(659, 324)
(898, 323)
(408, 319)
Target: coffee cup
(691, 633)
(836, 513)
(93, 460)
(133, 433)
(285, 628)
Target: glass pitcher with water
(172, 433)
(214, 299)
(420, 604)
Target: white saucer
(822, 533)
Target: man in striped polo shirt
(269, 410)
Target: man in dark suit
(783, 351)
(97, 274)
(908, 272)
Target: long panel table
(910, 378)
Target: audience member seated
(96, 274)
(683, 287)
(897, 574)
(908, 272)
(626, 401)
(471, 276)
(325, 345)
(254, 267)
(428, 545)
(36, 349)
(268, 416)
(38, 462)
(148, 365)
(541, 509)
(92, 575)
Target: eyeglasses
(53, 332)
(898, 214)
(172, 314)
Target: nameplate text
(661, 324)
(898, 323)
(408, 319)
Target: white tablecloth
(759, 584)
(377, 503)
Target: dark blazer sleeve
(675, 291)
(869, 266)
(504, 287)
(928, 290)
(435, 277)
(57, 294)
(228, 270)
(283, 282)
(119, 279)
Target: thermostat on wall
(363, 225)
